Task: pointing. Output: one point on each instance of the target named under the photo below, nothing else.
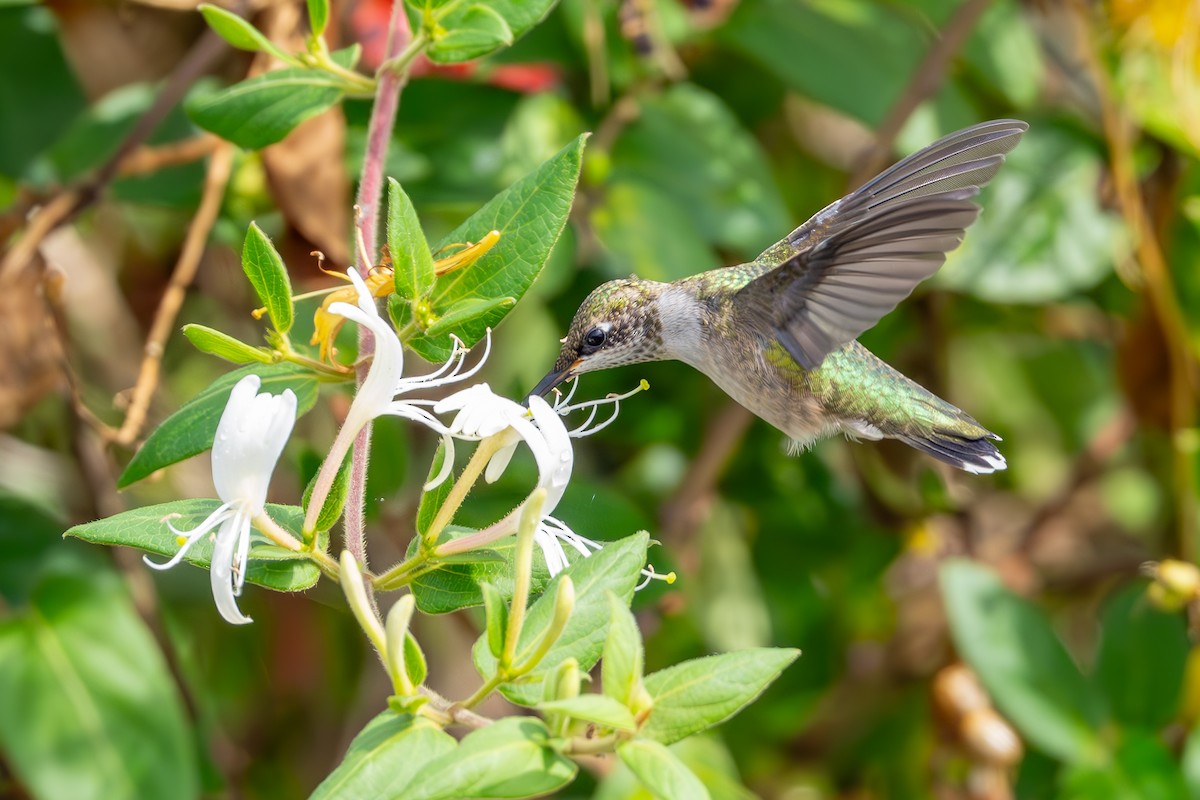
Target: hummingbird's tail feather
(975, 455)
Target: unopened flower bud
(564, 682)
(398, 620)
(1176, 583)
(956, 692)
(990, 738)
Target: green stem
(277, 534)
(400, 64)
(316, 366)
(486, 689)
(530, 516)
(505, 671)
(470, 474)
(581, 746)
(404, 573)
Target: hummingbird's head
(617, 324)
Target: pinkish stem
(370, 192)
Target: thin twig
(151, 158)
(924, 82)
(219, 167)
(42, 223)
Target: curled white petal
(447, 465)
(228, 570)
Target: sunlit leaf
(262, 110)
(661, 771)
(265, 268)
(700, 693)
(509, 758)
(530, 216)
(384, 758)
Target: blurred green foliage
(1048, 325)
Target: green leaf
(335, 501)
(616, 569)
(318, 16)
(705, 756)
(480, 29)
(687, 154)
(222, 345)
(496, 616)
(263, 110)
(432, 500)
(644, 231)
(90, 709)
(237, 31)
(1190, 763)
(347, 57)
(530, 216)
(411, 260)
(192, 428)
(621, 666)
(1004, 49)
(29, 533)
(1142, 768)
(414, 660)
(1141, 659)
(661, 771)
(475, 31)
(510, 758)
(465, 311)
(596, 708)
(854, 58)
(145, 528)
(454, 582)
(384, 758)
(1025, 668)
(265, 269)
(703, 692)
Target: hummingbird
(778, 334)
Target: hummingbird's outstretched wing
(859, 257)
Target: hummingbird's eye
(595, 338)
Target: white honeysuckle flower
(482, 413)
(385, 382)
(250, 436)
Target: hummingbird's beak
(553, 378)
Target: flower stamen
(563, 406)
